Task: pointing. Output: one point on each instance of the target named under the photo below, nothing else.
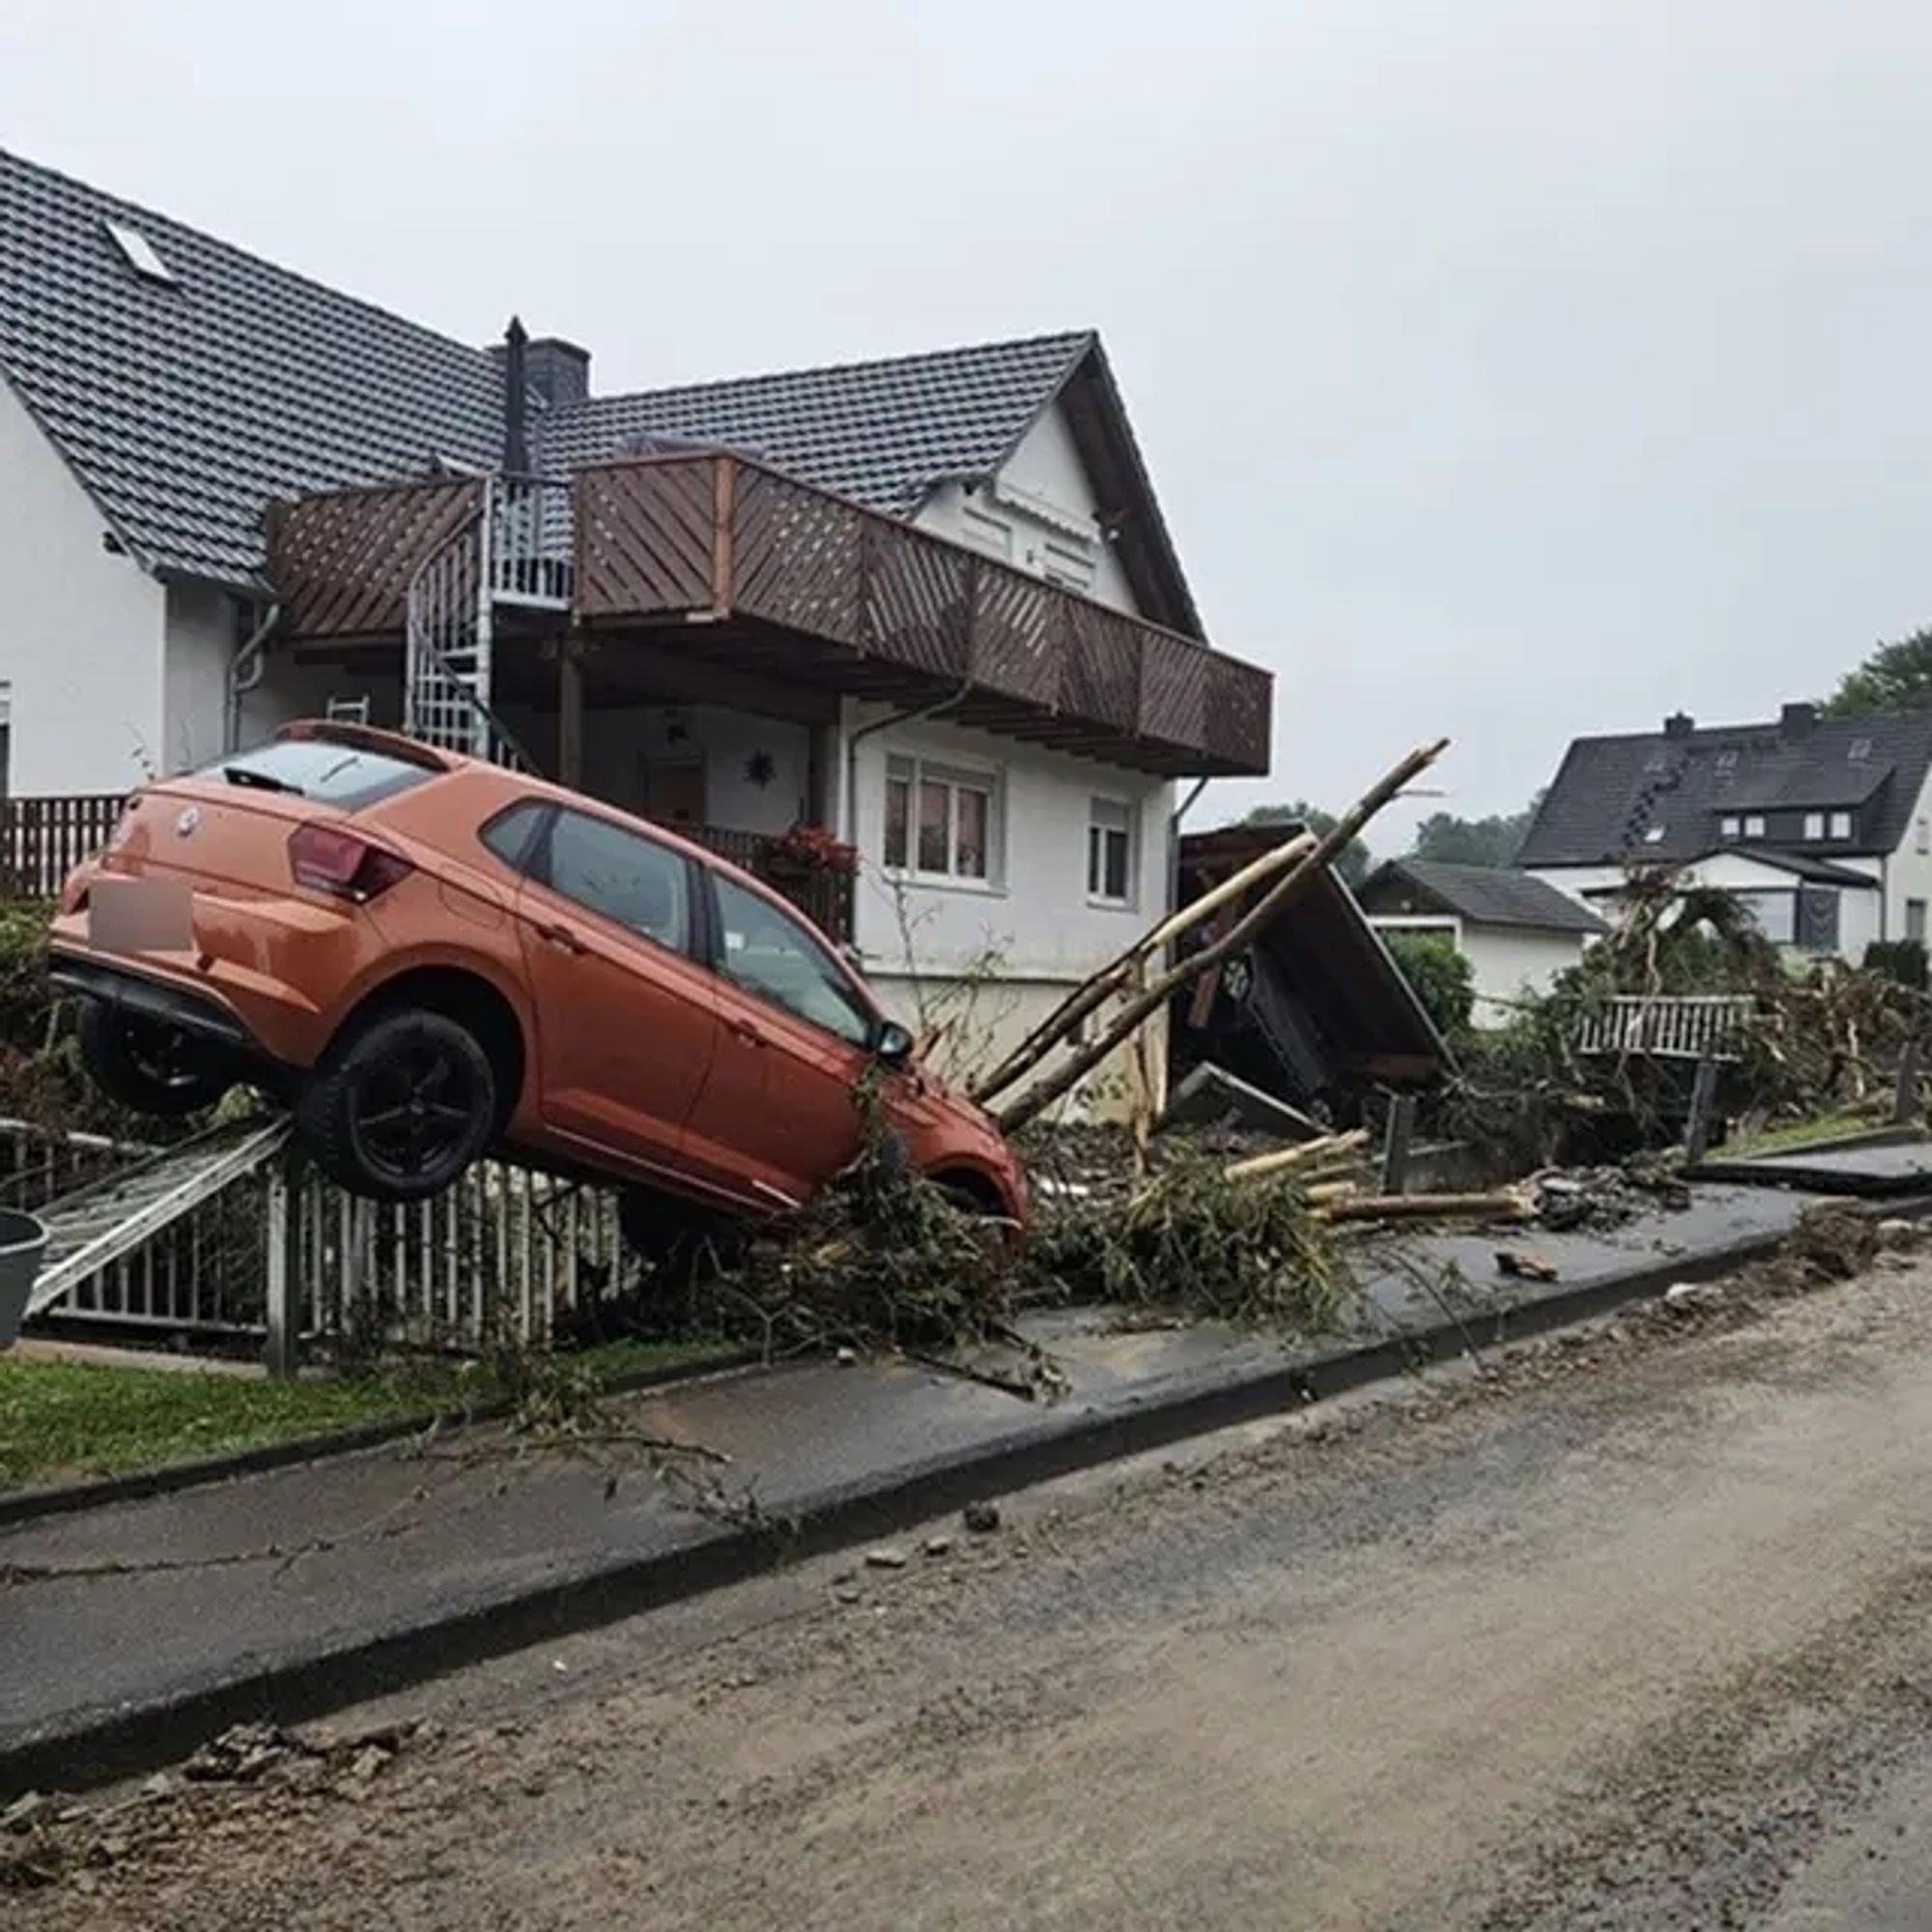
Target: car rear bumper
(157, 999)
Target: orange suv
(428, 957)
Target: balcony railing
(753, 568)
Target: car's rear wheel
(147, 1066)
(400, 1105)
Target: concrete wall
(1038, 514)
(81, 644)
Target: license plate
(140, 915)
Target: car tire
(147, 1066)
(401, 1104)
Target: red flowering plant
(813, 847)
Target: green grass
(1802, 1133)
(66, 1420)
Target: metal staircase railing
(449, 641)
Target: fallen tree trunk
(1424, 1206)
(1304, 1154)
(1038, 1098)
(1115, 977)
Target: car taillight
(328, 860)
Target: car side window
(632, 880)
(770, 953)
(510, 834)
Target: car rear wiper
(244, 775)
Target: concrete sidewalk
(129, 1628)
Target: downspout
(848, 828)
(245, 670)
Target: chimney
(1679, 724)
(560, 371)
(1797, 721)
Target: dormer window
(1814, 824)
(1860, 752)
(1842, 825)
(1753, 825)
(1728, 827)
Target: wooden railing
(42, 839)
(1688, 1027)
(823, 893)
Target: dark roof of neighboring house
(1610, 793)
(1483, 895)
(1799, 864)
(185, 406)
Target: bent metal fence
(282, 1254)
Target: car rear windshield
(350, 775)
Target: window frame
(1919, 907)
(537, 869)
(915, 771)
(1731, 826)
(714, 957)
(1814, 824)
(520, 858)
(1835, 823)
(1753, 825)
(1127, 832)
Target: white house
(1822, 825)
(929, 603)
(1516, 931)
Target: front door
(778, 1114)
(627, 1020)
(674, 794)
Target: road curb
(297, 1686)
(166, 1479)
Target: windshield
(350, 775)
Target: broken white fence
(1691, 1026)
(280, 1253)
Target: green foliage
(1439, 973)
(1474, 841)
(1896, 677)
(1192, 1241)
(1901, 960)
(1355, 860)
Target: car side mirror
(892, 1044)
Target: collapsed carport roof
(1370, 1025)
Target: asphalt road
(1632, 1633)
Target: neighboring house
(930, 604)
(1517, 933)
(1822, 825)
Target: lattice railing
(1687, 1027)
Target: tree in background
(1440, 974)
(1896, 677)
(1355, 860)
(1474, 841)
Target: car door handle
(561, 935)
(744, 1030)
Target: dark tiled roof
(886, 434)
(183, 407)
(1484, 895)
(1609, 792)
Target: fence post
(1703, 1099)
(284, 1272)
(1395, 1148)
(1905, 1096)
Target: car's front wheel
(400, 1105)
(147, 1066)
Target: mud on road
(1634, 1631)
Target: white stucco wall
(1506, 962)
(81, 644)
(620, 743)
(983, 964)
(201, 644)
(1907, 872)
(1038, 514)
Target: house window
(1842, 825)
(1860, 752)
(1753, 825)
(1728, 759)
(1915, 919)
(1814, 824)
(941, 823)
(1110, 852)
(1728, 827)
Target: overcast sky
(1509, 369)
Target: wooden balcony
(730, 561)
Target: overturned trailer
(1314, 1011)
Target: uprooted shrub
(1192, 1241)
